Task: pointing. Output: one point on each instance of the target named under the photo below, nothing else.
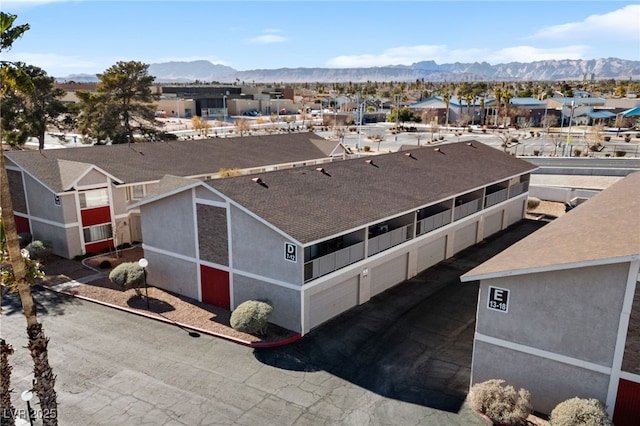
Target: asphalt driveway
(412, 343)
(401, 359)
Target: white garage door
(432, 253)
(465, 237)
(388, 274)
(492, 224)
(332, 301)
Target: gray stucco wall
(550, 382)
(208, 195)
(94, 177)
(119, 196)
(69, 208)
(58, 236)
(572, 312)
(285, 301)
(170, 273)
(168, 224)
(41, 201)
(260, 250)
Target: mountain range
(547, 70)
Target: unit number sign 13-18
(498, 299)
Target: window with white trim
(135, 192)
(97, 233)
(94, 198)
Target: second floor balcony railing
(435, 221)
(466, 209)
(389, 239)
(517, 189)
(496, 197)
(333, 261)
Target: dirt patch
(165, 305)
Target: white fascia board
(550, 268)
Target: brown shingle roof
(145, 162)
(311, 205)
(605, 228)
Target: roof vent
(438, 150)
(471, 145)
(371, 162)
(259, 181)
(323, 171)
(410, 155)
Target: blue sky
(88, 36)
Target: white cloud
(610, 26)
(267, 39)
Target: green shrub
(24, 238)
(500, 402)
(251, 317)
(39, 250)
(579, 412)
(532, 203)
(105, 264)
(128, 275)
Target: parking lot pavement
(402, 358)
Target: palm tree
(5, 383)
(13, 77)
(497, 94)
(446, 97)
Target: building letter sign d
(290, 252)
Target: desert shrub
(627, 138)
(39, 250)
(620, 153)
(105, 264)
(579, 412)
(366, 148)
(577, 152)
(24, 238)
(532, 203)
(251, 316)
(500, 402)
(128, 275)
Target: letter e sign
(498, 299)
(290, 252)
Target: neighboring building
(77, 198)
(559, 311)
(317, 241)
(434, 109)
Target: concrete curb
(158, 317)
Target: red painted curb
(168, 321)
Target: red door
(215, 287)
(627, 411)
